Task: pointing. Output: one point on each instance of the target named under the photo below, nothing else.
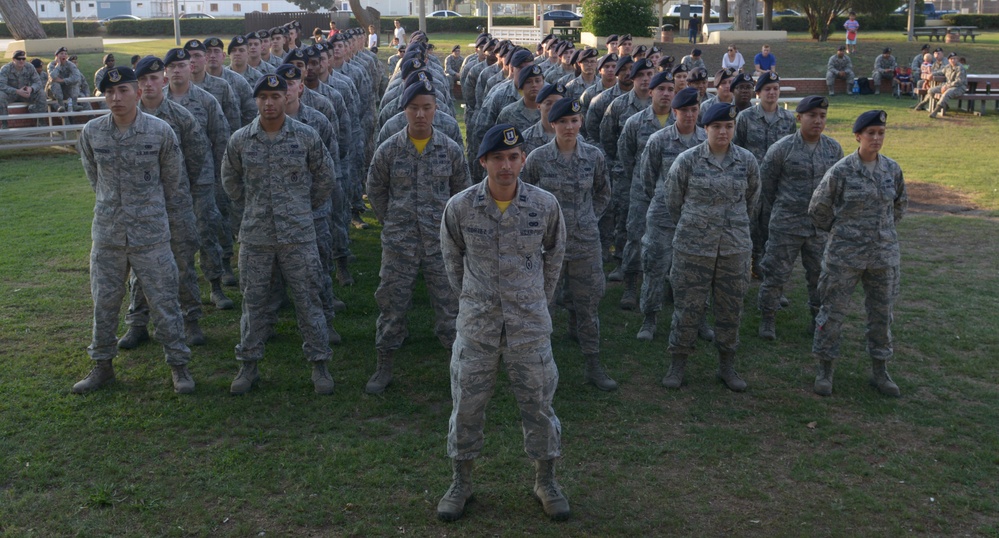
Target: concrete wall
(756, 36)
(44, 48)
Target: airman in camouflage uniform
(64, 80)
(859, 201)
(524, 112)
(241, 89)
(19, 82)
(504, 265)
(955, 84)
(442, 122)
(599, 103)
(839, 66)
(142, 195)
(884, 66)
(543, 132)
(587, 61)
(606, 67)
(789, 173)
(408, 189)
(292, 171)
(712, 192)
(581, 183)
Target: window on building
(214, 8)
(41, 7)
(265, 7)
(90, 5)
(77, 7)
(237, 8)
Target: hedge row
(58, 29)
(451, 24)
(161, 27)
(985, 22)
(867, 23)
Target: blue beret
(213, 42)
(655, 50)
(766, 78)
(622, 64)
(697, 74)
(869, 118)
(666, 62)
(252, 35)
(623, 38)
(640, 50)
(741, 78)
(547, 38)
(289, 72)
(60, 49)
(521, 57)
(611, 39)
(115, 76)
(411, 65)
(194, 44)
(491, 46)
(176, 55)
(565, 106)
(482, 41)
(310, 52)
(419, 88)
(684, 98)
(719, 112)
(811, 102)
(549, 90)
(660, 78)
(722, 75)
(418, 77)
(294, 55)
(263, 34)
(679, 69)
(501, 137)
(148, 65)
(237, 41)
(586, 54)
(320, 47)
(606, 58)
(270, 83)
(528, 72)
(641, 65)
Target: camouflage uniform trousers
(694, 280)
(324, 244)
(184, 246)
(63, 91)
(759, 233)
(394, 297)
(657, 258)
(836, 285)
(299, 264)
(778, 263)
(36, 102)
(206, 213)
(339, 220)
(533, 379)
(620, 202)
(584, 287)
(230, 218)
(154, 265)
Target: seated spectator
(134, 60)
(733, 59)
(764, 62)
(395, 43)
(903, 81)
(926, 72)
(317, 35)
(839, 67)
(693, 60)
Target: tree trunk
(723, 11)
(21, 20)
(366, 16)
(768, 14)
(745, 15)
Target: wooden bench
(60, 131)
(984, 98)
(941, 33)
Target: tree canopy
(820, 14)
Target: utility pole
(69, 19)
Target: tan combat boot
(881, 380)
(452, 505)
(824, 378)
(183, 383)
(548, 491)
(343, 273)
(321, 378)
(596, 375)
(218, 296)
(629, 299)
(382, 377)
(248, 375)
(100, 375)
(648, 330)
(192, 330)
(135, 335)
(768, 326)
(727, 373)
(674, 377)
(228, 278)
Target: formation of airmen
(573, 160)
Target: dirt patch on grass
(932, 198)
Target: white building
(102, 9)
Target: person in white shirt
(400, 32)
(372, 36)
(733, 59)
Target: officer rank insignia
(510, 136)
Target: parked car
(783, 13)
(929, 10)
(195, 16)
(561, 15)
(674, 11)
(120, 18)
(445, 13)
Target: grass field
(138, 460)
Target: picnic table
(980, 90)
(940, 33)
(570, 33)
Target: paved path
(107, 41)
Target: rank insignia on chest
(532, 214)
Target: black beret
(482, 41)
(258, 35)
(938, 49)
(411, 65)
(528, 72)
(549, 90)
(288, 72)
(107, 57)
(176, 55)
(766, 78)
(270, 83)
(424, 87)
(641, 65)
(886, 50)
(684, 98)
(622, 64)
(294, 55)
(869, 118)
(625, 37)
(36, 62)
(60, 49)
(194, 44)
(148, 65)
(661, 78)
(841, 47)
(666, 63)
(19, 55)
(697, 74)
(719, 112)
(722, 75)
(952, 55)
(237, 41)
(311, 52)
(586, 54)
(654, 50)
(606, 58)
(641, 49)
(810, 103)
(611, 39)
(492, 45)
(521, 57)
(501, 137)
(456, 48)
(741, 78)
(679, 68)
(566, 106)
(114, 77)
(214, 43)
(547, 38)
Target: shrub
(58, 29)
(985, 22)
(606, 17)
(161, 27)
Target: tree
(366, 16)
(877, 9)
(314, 5)
(606, 17)
(820, 14)
(21, 20)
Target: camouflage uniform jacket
(755, 133)
(612, 124)
(574, 88)
(408, 190)
(711, 204)
(789, 174)
(504, 267)
(518, 115)
(502, 95)
(557, 72)
(837, 64)
(882, 64)
(707, 103)
(442, 122)
(595, 112)
(264, 67)
(956, 78)
(68, 72)
(330, 104)
(208, 112)
(98, 75)
(468, 89)
(194, 145)
(586, 98)
(635, 135)
(466, 67)
(535, 137)
(313, 118)
(648, 207)
(244, 92)
(690, 63)
(860, 210)
(452, 65)
(279, 181)
(12, 80)
(251, 75)
(482, 83)
(581, 184)
(222, 92)
(139, 180)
